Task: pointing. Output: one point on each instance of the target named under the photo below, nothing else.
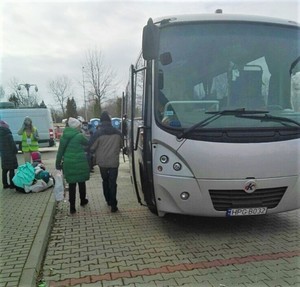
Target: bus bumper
(214, 198)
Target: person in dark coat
(106, 143)
(8, 151)
(71, 153)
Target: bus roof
(222, 17)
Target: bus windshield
(206, 68)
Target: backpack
(24, 175)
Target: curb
(35, 257)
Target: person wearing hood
(30, 138)
(8, 151)
(71, 158)
(106, 144)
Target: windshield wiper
(270, 118)
(216, 115)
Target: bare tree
(61, 88)
(21, 96)
(100, 78)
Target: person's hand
(36, 135)
(58, 166)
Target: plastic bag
(59, 185)
(39, 185)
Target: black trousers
(11, 173)
(72, 193)
(109, 184)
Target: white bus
(213, 116)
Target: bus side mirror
(150, 41)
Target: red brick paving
(174, 268)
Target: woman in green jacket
(72, 159)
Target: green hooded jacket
(71, 152)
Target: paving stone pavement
(135, 248)
(25, 224)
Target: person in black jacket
(106, 143)
(8, 152)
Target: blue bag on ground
(24, 175)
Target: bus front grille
(268, 197)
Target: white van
(41, 119)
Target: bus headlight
(164, 159)
(184, 195)
(167, 161)
(177, 166)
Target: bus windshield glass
(251, 71)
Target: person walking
(87, 133)
(8, 151)
(71, 158)
(106, 144)
(30, 138)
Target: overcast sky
(42, 40)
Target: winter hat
(27, 121)
(4, 124)
(74, 123)
(36, 156)
(105, 117)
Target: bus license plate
(246, 211)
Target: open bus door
(139, 139)
(139, 116)
(131, 133)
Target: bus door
(141, 159)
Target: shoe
(12, 186)
(84, 202)
(114, 209)
(5, 186)
(72, 210)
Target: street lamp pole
(83, 85)
(27, 87)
